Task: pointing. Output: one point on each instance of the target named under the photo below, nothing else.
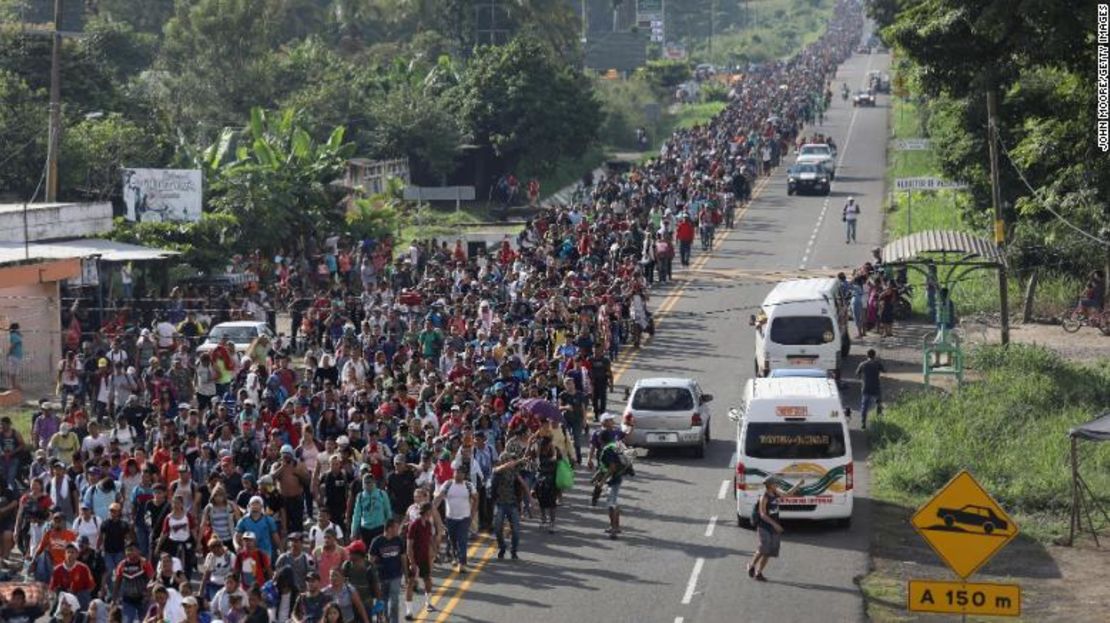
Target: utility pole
(996, 200)
(54, 144)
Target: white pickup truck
(818, 153)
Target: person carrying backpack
(371, 510)
(768, 530)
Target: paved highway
(682, 557)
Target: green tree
(148, 16)
(523, 102)
(279, 183)
(22, 136)
(423, 129)
(94, 151)
(204, 244)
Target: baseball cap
(287, 449)
(249, 535)
(189, 601)
(607, 417)
(254, 499)
(356, 547)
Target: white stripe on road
(839, 161)
(711, 526)
(679, 620)
(693, 583)
(724, 490)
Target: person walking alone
(684, 233)
(871, 395)
(850, 215)
(768, 530)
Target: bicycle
(1094, 318)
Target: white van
(803, 323)
(794, 429)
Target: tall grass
(1010, 429)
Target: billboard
(157, 195)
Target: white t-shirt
(87, 527)
(88, 445)
(457, 497)
(851, 211)
(219, 566)
(316, 534)
(165, 332)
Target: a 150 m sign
(978, 598)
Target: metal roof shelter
(1084, 502)
(107, 250)
(959, 252)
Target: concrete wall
(52, 221)
(29, 295)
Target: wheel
(844, 522)
(756, 370)
(743, 521)
(988, 528)
(789, 191)
(699, 450)
(828, 191)
(845, 346)
(1104, 323)
(1072, 322)
(949, 520)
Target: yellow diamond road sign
(964, 525)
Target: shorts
(423, 570)
(614, 492)
(768, 541)
(14, 365)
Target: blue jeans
(512, 512)
(458, 535)
(850, 231)
(132, 613)
(391, 595)
(111, 561)
(684, 252)
(866, 402)
(11, 471)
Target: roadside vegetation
(767, 30)
(977, 293)
(1009, 427)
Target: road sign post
(966, 527)
(910, 184)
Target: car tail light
(629, 418)
(849, 477)
(741, 484)
(695, 419)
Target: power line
(1044, 204)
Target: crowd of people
(423, 394)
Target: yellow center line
(625, 363)
(672, 299)
(471, 552)
(465, 586)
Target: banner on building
(157, 195)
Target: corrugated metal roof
(910, 247)
(108, 250)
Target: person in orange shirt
(55, 539)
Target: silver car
(668, 413)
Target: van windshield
(802, 330)
(663, 399)
(793, 441)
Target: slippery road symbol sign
(964, 525)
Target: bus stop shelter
(944, 258)
(1084, 503)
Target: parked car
(668, 413)
(863, 98)
(808, 177)
(241, 333)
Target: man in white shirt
(850, 216)
(462, 506)
(165, 332)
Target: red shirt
(685, 231)
(74, 580)
(419, 535)
(55, 541)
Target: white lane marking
(679, 620)
(839, 161)
(693, 583)
(724, 490)
(711, 526)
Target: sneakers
(515, 557)
(501, 554)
